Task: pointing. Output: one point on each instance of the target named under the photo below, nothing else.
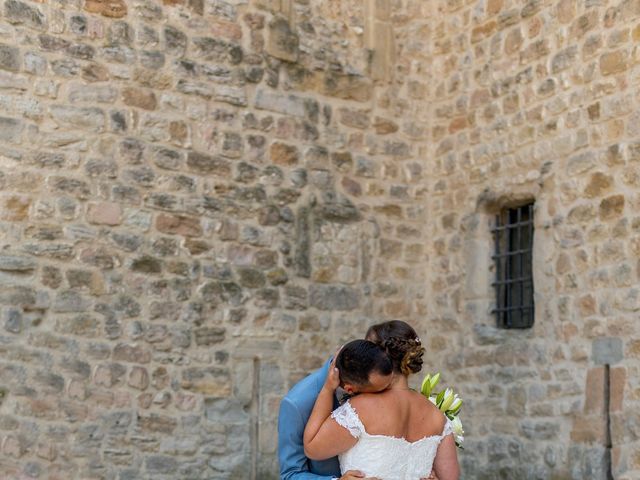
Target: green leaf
(434, 380)
(425, 388)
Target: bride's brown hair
(401, 343)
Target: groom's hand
(355, 475)
(333, 381)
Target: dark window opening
(513, 235)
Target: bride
(396, 434)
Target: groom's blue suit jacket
(295, 410)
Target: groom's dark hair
(358, 359)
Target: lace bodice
(385, 457)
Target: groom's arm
(294, 465)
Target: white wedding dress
(385, 457)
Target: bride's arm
(323, 437)
(445, 464)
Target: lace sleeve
(448, 428)
(347, 417)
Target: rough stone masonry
(200, 199)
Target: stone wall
(539, 100)
(200, 199)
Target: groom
(295, 410)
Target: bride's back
(399, 436)
(399, 413)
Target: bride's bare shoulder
(369, 403)
(364, 400)
(429, 412)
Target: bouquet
(448, 402)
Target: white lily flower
(448, 400)
(457, 401)
(458, 431)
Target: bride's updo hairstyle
(401, 343)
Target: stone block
(24, 14)
(236, 96)
(175, 41)
(390, 210)
(282, 42)
(566, 11)
(347, 87)
(94, 72)
(338, 210)
(355, 118)
(283, 154)
(11, 129)
(179, 132)
(287, 104)
(540, 430)
(483, 31)
(580, 163)
(10, 58)
(517, 398)
(85, 118)
(209, 335)
(178, 225)
(81, 51)
(139, 98)
(210, 381)
(581, 214)
(146, 264)
(251, 277)
(92, 93)
(599, 183)
(225, 411)
(51, 43)
(584, 24)
(138, 378)
(35, 64)
(564, 59)
(15, 263)
(104, 213)
(618, 381)
(83, 325)
(594, 391)
(612, 207)
(334, 297)
(70, 301)
(614, 62)
(271, 380)
(168, 159)
(107, 8)
(588, 429)
(153, 60)
(131, 353)
(98, 257)
(607, 350)
(13, 321)
(161, 464)
(207, 164)
(15, 208)
(232, 145)
(11, 81)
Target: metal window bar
(513, 234)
